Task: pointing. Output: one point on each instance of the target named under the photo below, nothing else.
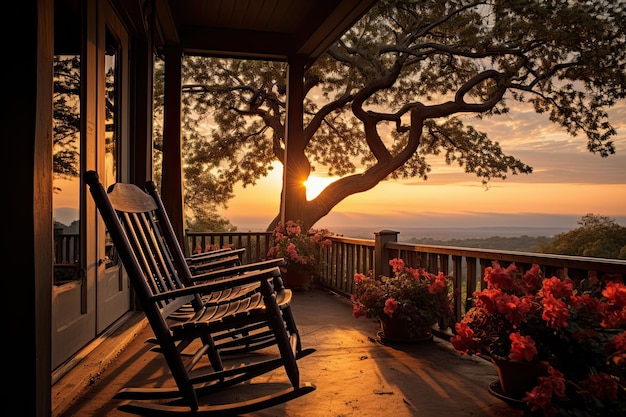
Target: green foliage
(212, 223)
(66, 123)
(598, 237)
(386, 99)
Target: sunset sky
(567, 182)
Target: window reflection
(66, 146)
(112, 123)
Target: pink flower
(358, 310)
(359, 277)
(390, 306)
(410, 294)
(397, 265)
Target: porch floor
(354, 372)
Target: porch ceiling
(263, 29)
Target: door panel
(113, 290)
(90, 289)
(73, 291)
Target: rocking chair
(160, 276)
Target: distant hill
(521, 239)
(519, 244)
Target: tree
(390, 95)
(203, 192)
(598, 237)
(66, 122)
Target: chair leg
(276, 320)
(291, 326)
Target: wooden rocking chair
(160, 276)
(214, 265)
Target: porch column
(172, 173)
(381, 256)
(26, 149)
(141, 86)
(296, 168)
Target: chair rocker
(161, 280)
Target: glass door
(113, 291)
(73, 291)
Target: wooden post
(381, 256)
(295, 166)
(172, 174)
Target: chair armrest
(215, 254)
(239, 269)
(216, 264)
(221, 284)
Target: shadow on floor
(354, 372)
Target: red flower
(541, 395)
(488, 299)
(533, 277)
(439, 285)
(601, 386)
(577, 331)
(522, 348)
(358, 310)
(556, 288)
(615, 292)
(390, 306)
(464, 339)
(513, 308)
(397, 265)
(555, 312)
(498, 277)
(359, 277)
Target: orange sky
(567, 183)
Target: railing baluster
(347, 256)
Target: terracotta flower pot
(297, 279)
(397, 330)
(518, 378)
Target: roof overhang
(256, 29)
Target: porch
(355, 373)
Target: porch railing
(465, 266)
(256, 244)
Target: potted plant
(300, 250)
(407, 304)
(573, 335)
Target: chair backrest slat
(136, 213)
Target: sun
(315, 185)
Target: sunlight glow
(315, 185)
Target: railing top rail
(189, 233)
(580, 262)
(352, 241)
